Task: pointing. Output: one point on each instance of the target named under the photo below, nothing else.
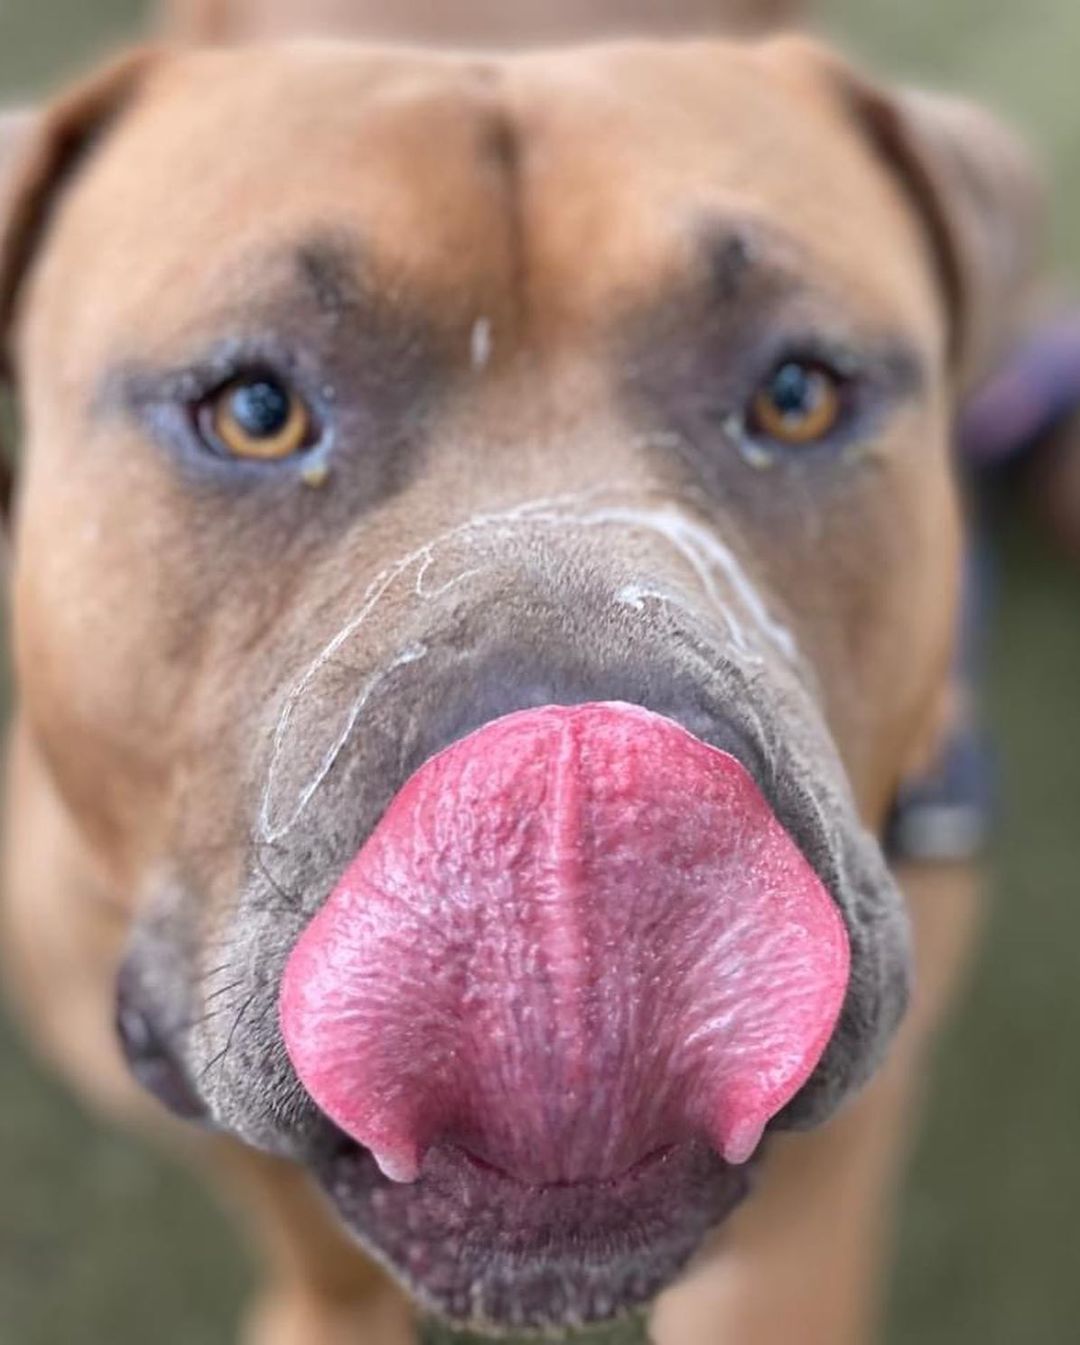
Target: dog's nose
(576, 938)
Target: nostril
(148, 1056)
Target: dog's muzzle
(577, 939)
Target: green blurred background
(102, 1243)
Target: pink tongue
(576, 937)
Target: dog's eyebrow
(730, 255)
(735, 254)
(751, 260)
(327, 268)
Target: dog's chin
(473, 1245)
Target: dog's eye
(256, 416)
(799, 403)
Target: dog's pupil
(792, 389)
(260, 407)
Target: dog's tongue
(577, 937)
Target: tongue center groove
(576, 938)
(569, 955)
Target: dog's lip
(532, 1256)
(149, 1054)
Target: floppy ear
(975, 187)
(982, 200)
(40, 152)
(16, 128)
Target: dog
(515, 473)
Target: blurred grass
(103, 1243)
(1020, 59)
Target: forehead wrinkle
(326, 267)
(730, 256)
(737, 254)
(503, 150)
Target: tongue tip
(737, 1142)
(401, 1166)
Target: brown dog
(371, 396)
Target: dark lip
(146, 1047)
(475, 1246)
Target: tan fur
(99, 641)
(472, 22)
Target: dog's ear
(39, 154)
(974, 185)
(981, 197)
(16, 129)
(40, 151)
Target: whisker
(224, 990)
(220, 1057)
(189, 1024)
(290, 898)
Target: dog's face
(371, 397)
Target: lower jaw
(476, 1247)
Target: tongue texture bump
(576, 938)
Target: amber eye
(799, 403)
(257, 416)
